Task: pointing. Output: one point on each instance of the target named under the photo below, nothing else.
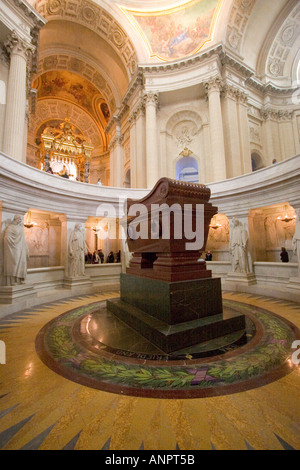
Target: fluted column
(133, 150)
(152, 164)
(244, 131)
(119, 157)
(141, 165)
(20, 53)
(231, 132)
(111, 161)
(268, 136)
(213, 88)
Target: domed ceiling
(174, 32)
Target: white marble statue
(77, 252)
(15, 253)
(296, 239)
(239, 248)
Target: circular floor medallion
(91, 347)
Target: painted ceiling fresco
(178, 32)
(71, 87)
(67, 86)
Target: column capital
(132, 117)
(230, 91)
(16, 45)
(151, 98)
(213, 84)
(119, 139)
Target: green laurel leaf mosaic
(273, 351)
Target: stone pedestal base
(20, 292)
(78, 285)
(174, 315)
(294, 283)
(247, 279)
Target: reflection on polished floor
(40, 409)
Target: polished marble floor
(40, 409)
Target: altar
(65, 152)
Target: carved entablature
(276, 114)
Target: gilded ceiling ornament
(186, 152)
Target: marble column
(268, 137)
(112, 162)
(141, 165)
(231, 132)
(286, 133)
(213, 88)
(20, 53)
(133, 150)
(152, 162)
(119, 170)
(244, 132)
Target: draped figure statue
(239, 248)
(77, 252)
(15, 253)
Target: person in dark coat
(101, 256)
(284, 255)
(111, 258)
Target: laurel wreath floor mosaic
(86, 354)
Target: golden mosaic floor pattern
(42, 410)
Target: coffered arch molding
(56, 109)
(70, 61)
(281, 46)
(95, 18)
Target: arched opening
(256, 161)
(187, 170)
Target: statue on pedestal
(296, 240)
(77, 252)
(15, 253)
(239, 248)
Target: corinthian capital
(213, 84)
(151, 98)
(16, 45)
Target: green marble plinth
(174, 315)
(173, 302)
(170, 338)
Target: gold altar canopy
(65, 152)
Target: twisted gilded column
(20, 54)
(152, 163)
(213, 88)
